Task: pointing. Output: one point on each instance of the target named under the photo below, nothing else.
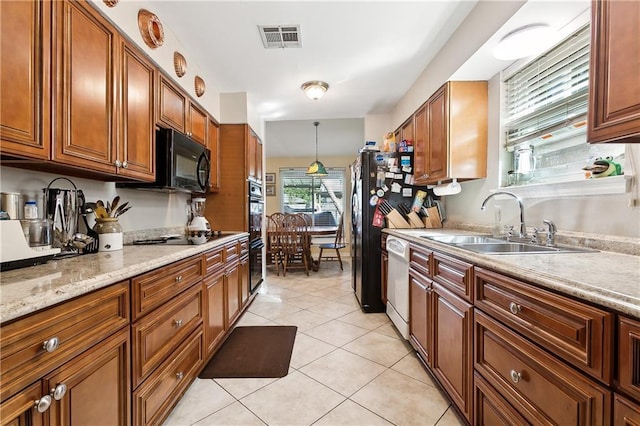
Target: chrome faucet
(523, 227)
(551, 232)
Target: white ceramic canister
(109, 234)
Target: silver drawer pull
(515, 376)
(178, 323)
(179, 375)
(179, 278)
(51, 344)
(43, 404)
(59, 391)
(515, 308)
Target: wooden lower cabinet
(420, 315)
(244, 280)
(451, 360)
(98, 385)
(625, 412)
(490, 408)
(19, 409)
(541, 388)
(153, 400)
(629, 357)
(232, 285)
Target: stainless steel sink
(486, 244)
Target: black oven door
(255, 265)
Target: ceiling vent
(280, 36)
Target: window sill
(601, 186)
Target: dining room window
(320, 197)
(545, 116)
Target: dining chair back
(294, 244)
(274, 251)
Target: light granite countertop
(24, 291)
(604, 278)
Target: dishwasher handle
(398, 247)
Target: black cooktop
(175, 240)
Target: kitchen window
(322, 196)
(546, 117)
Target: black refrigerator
(375, 176)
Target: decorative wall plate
(110, 3)
(179, 64)
(199, 85)
(150, 28)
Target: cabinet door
(629, 356)
(452, 346)
(172, 106)
(244, 280)
(259, 159)
(420, 314)
(437, 131)
(420, 145)
(232, 277)
(25, 78)
(19, 409)
(86, 44)
(625, 412)
(198, 124)
(614, 86)
(214, 311)
(251, 153)
(406, 131)
(214, 147)
(136, 152)
(384, 276)
(491, 409)
(97, 385)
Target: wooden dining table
(316, 230)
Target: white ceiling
(369, 52)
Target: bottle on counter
(31, 209)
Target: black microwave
(181, 165)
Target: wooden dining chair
(336, 245)
(274, 250)
(294, 246)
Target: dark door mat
(253, 352)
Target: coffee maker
(198, 228)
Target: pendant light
(317, 169)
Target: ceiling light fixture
(315, 89)
(317, 169)
(522, 42)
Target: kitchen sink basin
(486, 244)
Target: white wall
(376, 126)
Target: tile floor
(347, 367)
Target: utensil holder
(109, 234)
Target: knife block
(395, 220)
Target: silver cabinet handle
(178, 323)
(179, 375)
(51, 344)
(43, 403)
(515, 376)
(117, 163)
(179, 278)
(125, 165)
(515, 308)
(59, 391)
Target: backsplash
(150, 210)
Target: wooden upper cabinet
(136, 147)
(420, 157)
(252, 141)
(406, 131)
(258, 159)
(85, 96)
(213, 138)
(614, 80)
(197, 123)
(172, 105)
(25, 78)
(456, 133)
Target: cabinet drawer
(578, 333)
(159, 333)
(453, 274)
(541, 388)
(629, 356)
(213, 260)
(152, 289)
(492, 409)
(157, 395)
(244, 247)
(77, 325)
(419, 260)
(231, 251)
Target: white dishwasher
(398, 284)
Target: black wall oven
(256, 212)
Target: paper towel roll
(450, 188)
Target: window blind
(303, 193)
(548, 97)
